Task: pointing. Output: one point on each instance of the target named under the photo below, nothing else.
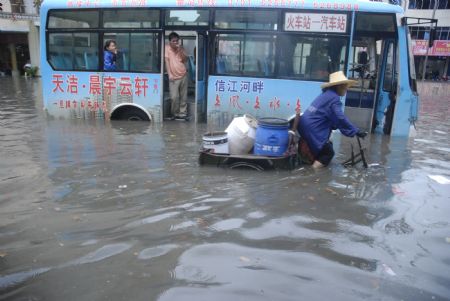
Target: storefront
(19, 37)
(14, 52)
(438, 59)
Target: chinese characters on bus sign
(83, 3)
(329, 5)
(126, 87)
(89, 104)
(115, 3)
(237, 93)
(314, 22)
(242, 86)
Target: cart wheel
(246, 165)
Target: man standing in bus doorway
(322, 116)
(175, 58)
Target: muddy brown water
(123, 211)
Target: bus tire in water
(132, 114)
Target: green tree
(37, 3)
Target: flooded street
(123, 211)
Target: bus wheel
(133, 114)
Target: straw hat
(338, 78)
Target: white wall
(14, 26)
(443, 15)
(33, 44)
(6, 6)
(29, 8)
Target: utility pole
(424, 69)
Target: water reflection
(124, 211)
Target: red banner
(440, 48)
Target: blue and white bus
(259, 57)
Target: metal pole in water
(436, 2)
(361, 150)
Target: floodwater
(123, 211)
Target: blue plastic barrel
(272, 137)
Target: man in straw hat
(322, 116)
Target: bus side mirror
(432, 37)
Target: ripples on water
(123, 211)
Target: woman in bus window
(110, 55)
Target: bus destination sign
(315, 22)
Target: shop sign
(440, 48)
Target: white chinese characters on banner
(313, 22)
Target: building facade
(19, 35)
(437, 62)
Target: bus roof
(341, 5)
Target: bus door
(194, 44)
(386, 88)
(201, 60)
(188, 41)
(359, 103)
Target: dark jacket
(322, 116)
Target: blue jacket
(322, 116)
(109, 61)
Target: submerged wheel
(131, 114)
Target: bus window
(123, 49)
(363, 61)
(86, 51)
(136, 51)
(144, 52)
(198, 17)
(244, 54)
(73, 51)
(246, 19)
(312, 58)
(375, 23)
(412, 68)
(72, 19)
(389, 69)
(131, 18)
